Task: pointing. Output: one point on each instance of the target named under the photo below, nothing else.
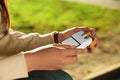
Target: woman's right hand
(51, 57)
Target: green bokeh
(44, 16)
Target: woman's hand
(51, 57)
(67, 33)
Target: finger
(94, 43)
(65, 45)
(67, 33)
(91, 50)
(75, 30)
(89, 30)
(70, 60)
(93, 33)
(82, 51)
(85, 29)
(70, 52)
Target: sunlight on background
(44, 16)
(115, 4)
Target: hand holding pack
(80, 40)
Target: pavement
(115, 4)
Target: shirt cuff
(13, 67)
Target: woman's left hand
(67, 33)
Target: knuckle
(60, 64)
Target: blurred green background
(44, 16)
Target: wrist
(56, 37)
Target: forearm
(15, 42)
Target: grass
(44, 16)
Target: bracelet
(56, 37)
